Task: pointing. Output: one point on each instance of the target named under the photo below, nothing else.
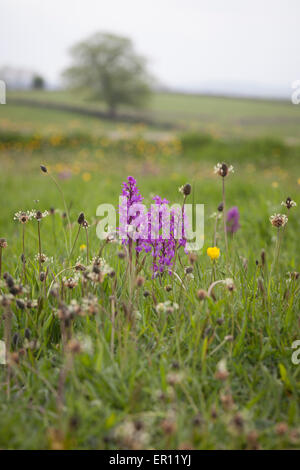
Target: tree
(110, 69)
(38, 83)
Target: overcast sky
(189, 43)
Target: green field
(217, 116)
(131, 376)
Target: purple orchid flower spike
(233, 217)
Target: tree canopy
(109, 68)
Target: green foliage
(110, 69)
(158, 386)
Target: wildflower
(229, 284)
(86, 177)
(175, 378)
(6, 300)
(79, 266)
(33, 303)
(185, 189)
(213, 252)
(23, 216)
(278, 220)
(167, 307)
(90, 305)
(39, 215)
(80, 219)
(82, 247)
(3, 243)
(42, 258)
(223, 170)
(70, 282)
(294, 275)
(222, 372)
(289, 203)
(233, 217)
(188, 269)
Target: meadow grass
(221, 117)
(216, 373)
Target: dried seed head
(201, 294)
(27, 333)
(187, 188)
(79, 267)
(168, 426)
(198, 420)
(140, 280)
(3, 243)
(192, 258)
(289, 203)
(43, 168)
(146, 293)
(189, 269)
(238, 421)
(121, 254)
(227, 401)
(222, 169)
(281, 428)
(52, 210)
(168, 288)
(221, 207)
(74, 346)
(278, 220)
(15, 340)
(229, 284)
(252, 440)
(80, 219)
(9, 280)
(42, 276)
(20, 304)
(222, 372)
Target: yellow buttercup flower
(82, 247)
(86, 177)
(213, 252)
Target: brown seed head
(187, 188)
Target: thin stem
(224, 217)
(40, 247)
(65, 206)
(75, 242)
(87, 246)
(23, 252)
(0, 261)
(7, 336)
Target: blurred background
(162, 90)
